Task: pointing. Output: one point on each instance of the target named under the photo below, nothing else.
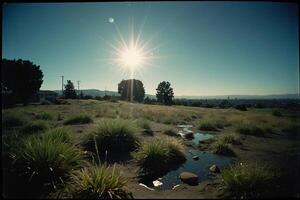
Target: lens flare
(132, 55)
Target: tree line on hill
(21, 79)
(129, 90)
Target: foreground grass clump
(34, 127)
(230, 139)
(144, 123)
(46, 160)
(159, 155)
(249, 129)
(247, 180)
(112, 135)
(98, 182)
(44, 116)
(210, 125)
(170, 132)
(59, 134)
(78, 119)
(222, 149)
(13, 120)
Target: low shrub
(159, 155)
(97, 182)
(61, 102)
(207, 126)
(247, 180)
(78, 119)
(170, 132)
(241, 107)
(249, 129)
(230, 139)
(43, 162)
(13, 120)
(61, 134)
(113, 135)
(221, 148)
(44, 116)
(143, 123)
(34, 127)
(46, 102)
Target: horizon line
(193, 95)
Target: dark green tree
(69, 92)
(22, 78)
(164, 93)
(131, 90)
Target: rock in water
(214, 169)
(189, 178)
(189, 135)
(175, 186)
(195, 157)
(157, 183)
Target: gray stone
(196, 157)
(189, 178)
(189, 135)
(214, 169)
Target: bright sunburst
(132, 58)
(133, 54)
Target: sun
(131, 58)
(133, 54)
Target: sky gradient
(201, 48)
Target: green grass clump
(207, 126)
(170, 132)
(13, 120)
(222, 148)
(98, 182)
(159, 155)
(34, 127)
(59, 134)
(44, 161)
(230, 139)
(247, 180)
(78, 119)
(143, 123)
(113, 135)
(44, 116)
(249, 129)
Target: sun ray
(131, 56)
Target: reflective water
(200, 137)
(199, 167)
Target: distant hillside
(95, 92)
(272, 96)
(101, 93)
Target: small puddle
(199, 167)
(200, 137)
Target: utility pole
(78, 82)
(62, 85)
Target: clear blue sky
(203, 48)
